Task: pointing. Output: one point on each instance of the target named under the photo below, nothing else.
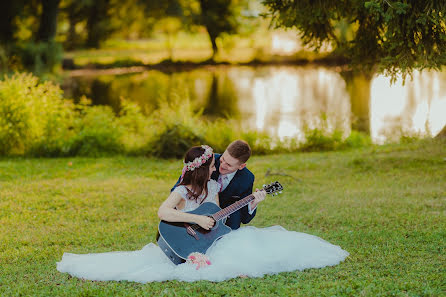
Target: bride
(247, 251)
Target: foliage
(318, 139)
(31, 113)
(357, 139)
(97, 132)
(395, 36)
(39, 57)
(36, 120)
(371, 202)
(138, 129)
(179, 129)
(218, 18)
(220, 133)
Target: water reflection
(285, 100)
(418, 107)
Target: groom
(236, 182)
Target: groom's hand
(259, 196)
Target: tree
(393, 37)
(217, 17)
(8, 11)
(48, 20)
(384, 35)
(98, 21)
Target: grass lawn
(186, 47)
(385, 205)
(193, 48)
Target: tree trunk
(212, 38)
(96, 15)
(48, 20)
(358, 88)
(212, 107)
(8, 11)
(71, 35)
(169, 46)
(442, 133)
(214, 46)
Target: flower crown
(198, 161)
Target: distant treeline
(34, 32)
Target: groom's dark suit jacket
(240, 186)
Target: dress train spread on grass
(247, 251)
(253, 252)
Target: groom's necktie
(222, 179)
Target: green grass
(186, 47)
(195, 48)
(385, 205)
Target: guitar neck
(232, 208)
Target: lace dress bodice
(192, 204)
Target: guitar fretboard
(232, 208)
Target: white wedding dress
(248, 251)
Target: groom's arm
(176, 185)
(245, 215)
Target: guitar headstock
(274, 188)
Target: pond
(283, 100)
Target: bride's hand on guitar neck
(205, 222)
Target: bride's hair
(198, 178)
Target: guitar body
(177, 243)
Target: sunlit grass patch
(385, 205)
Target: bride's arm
(217, 200)
(167, 212)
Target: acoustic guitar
(179, 240)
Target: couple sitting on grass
(246, 251)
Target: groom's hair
(240, 150)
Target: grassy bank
(384, 205)
(189, 49)
(36, 120)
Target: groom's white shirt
(225, 179)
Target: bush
(40, 57)
(178, 128)
(219, 133)
(32, 113)
(36, 120)
(139, 129)
(357, 139)
(320, 140)
(174, 141)
(98, 132)
(57, 134)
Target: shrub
(36, 120)
(357, 139)
(174, 141)
(40, 57)
(260, 143)
(98, 132)
(219, 133)
(31, 113)
(139, 129)
(57, 134)
(178, 128)
(320, 140)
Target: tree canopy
(379, 35)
